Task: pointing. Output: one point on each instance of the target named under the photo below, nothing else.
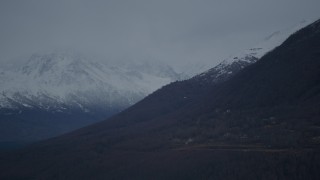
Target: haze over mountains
(43, 96)
(260, 123)
(53, 93)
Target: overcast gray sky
(177, 31)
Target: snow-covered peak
(68, 77)
(276, 39)
(240, 60)
(269, 43)
(49, 94)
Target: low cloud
(175, 31)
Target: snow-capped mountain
(235, 63)
(66, 83)
(73, 80)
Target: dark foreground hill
(262, 123)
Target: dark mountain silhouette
(260, 123)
